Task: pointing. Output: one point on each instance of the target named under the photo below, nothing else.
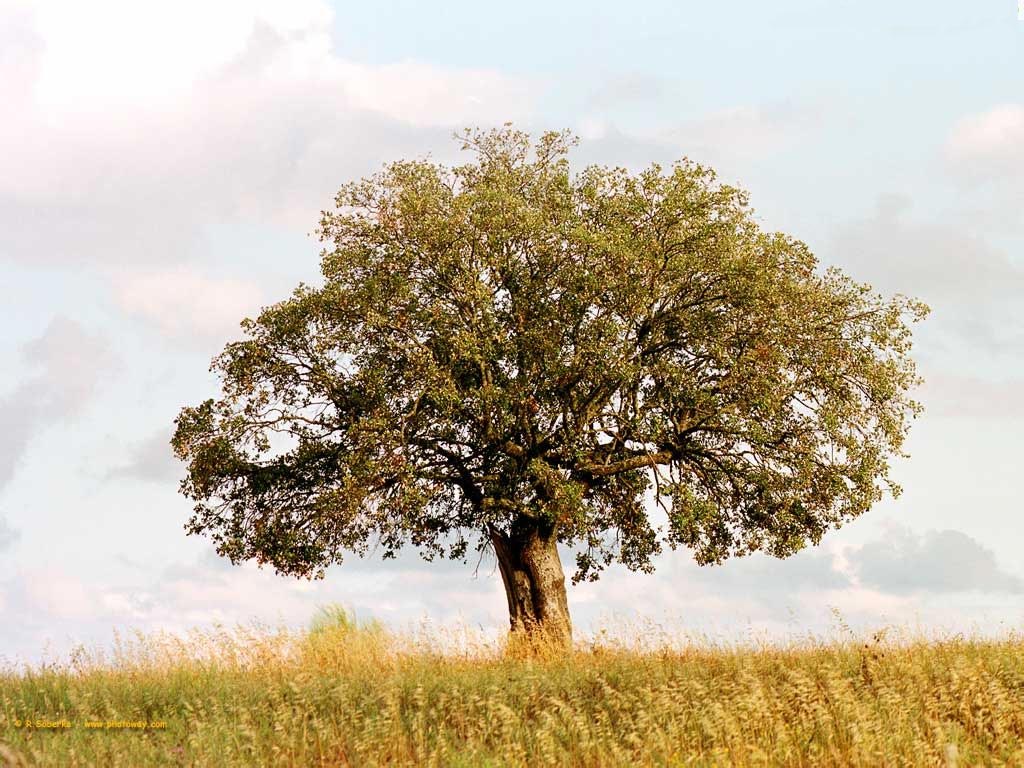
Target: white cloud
(130, 129)
(938, 561)
(632, 88)
(59, 594)
(68, 365)
(63, 369)
(424, 96)
(749, 131)
(960, 396)
(167, 47)
(7, 537)
(902, 580)
(984, 156)
(183, 303)
(152, 459)
(989, 145)
(734, 141)
(66, 607)
(972, 287)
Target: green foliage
(504, 340)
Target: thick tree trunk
(534, 582)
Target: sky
(162, 166)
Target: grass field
(355, 695)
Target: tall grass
(349, 693)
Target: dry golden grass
(352, 695)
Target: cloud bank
(67, 365)
(128, 146)
(938, 561)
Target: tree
(507, 355)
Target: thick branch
(626, 465)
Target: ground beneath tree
(356, 695)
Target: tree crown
(505, 341)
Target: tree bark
(531, 571)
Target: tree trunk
(534, 582)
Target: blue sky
(163, 165)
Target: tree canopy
(508, 355)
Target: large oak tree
(508, 356)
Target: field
(349, 694)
